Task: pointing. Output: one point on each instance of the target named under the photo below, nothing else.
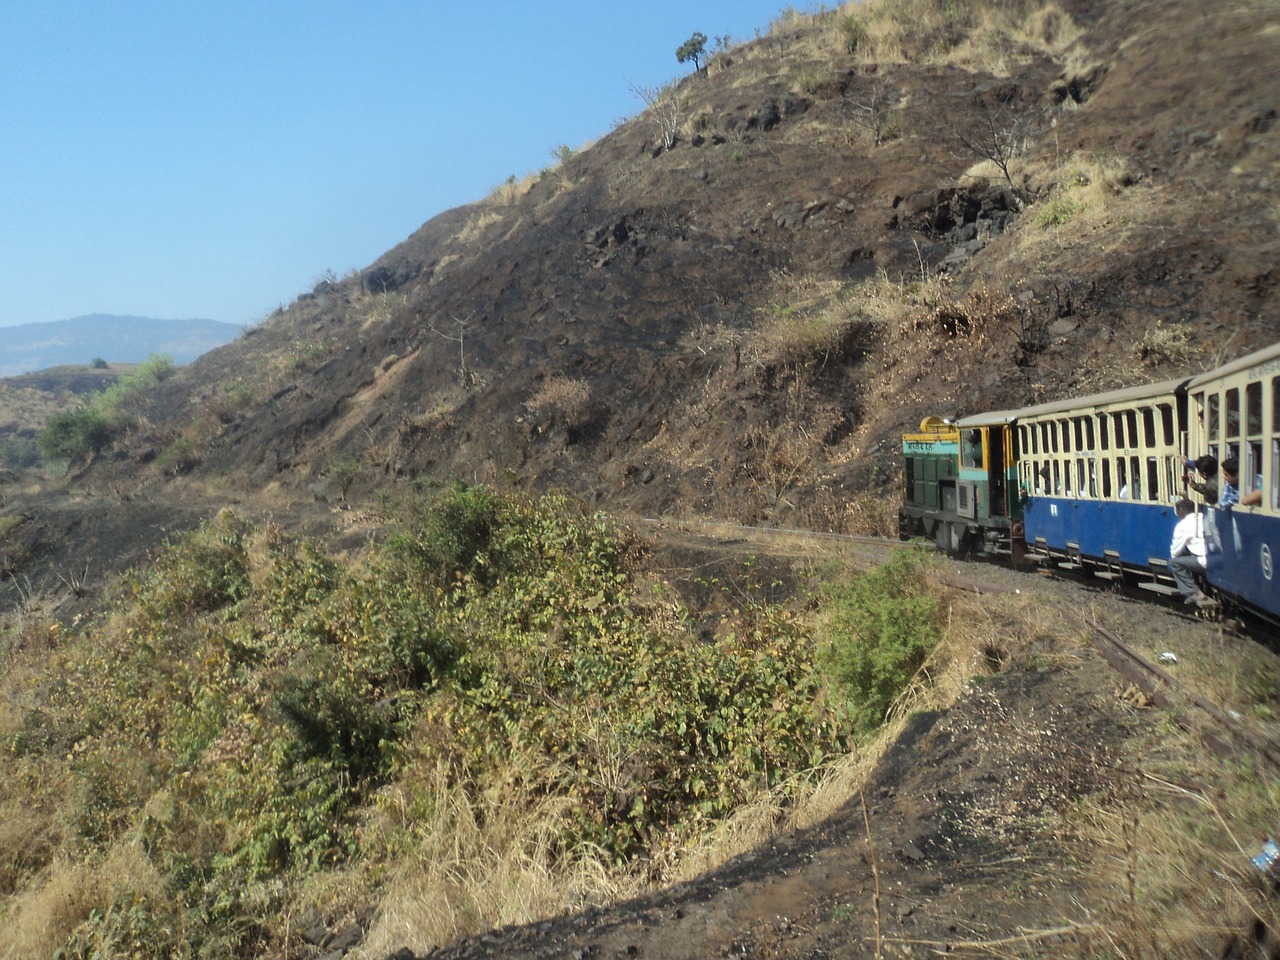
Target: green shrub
(75, 433)
(19, 453)
(881, 628)
(452, 537)
(196, 573)
(1057, 211)
(72, 434)
(243, 714)
(853, 33)
(331, 721)
(131, 925)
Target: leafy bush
(72, 434)
(1057, 211)
(853, 32)
(452, 537)
(881, 628)
(19, 453)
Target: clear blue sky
(183, 158)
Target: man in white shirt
(1187, 552)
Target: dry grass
(51, 909)
(1172, 862)
(563, 400)
(807, 320)
(1164, 346)
(466, 864)
(992, 37)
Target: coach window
(1232, 409)
(1117, 421)
(1064, 428)
(1148, 427)
(1275, 443)
(1252, 472)
(1135, 478)
(1131, 434)
(1106, 477)
(1103, 434)
(1153, 478)
(1052, 427)
(1212, 420)
(1166, 423)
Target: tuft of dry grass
(50, 910)
(564, 400)
(807, 321)
(467, 863)
(1164, 346)
(982, 36)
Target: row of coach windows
(1234, 427)
(1123, 430)
(1112, 478)
(1123, 454)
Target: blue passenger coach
(1099, 476)
(1234, 413)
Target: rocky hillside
(734, 302)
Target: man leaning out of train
(1207, 467)
(1187, 552)
(1230, 493)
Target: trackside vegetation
(258, 717)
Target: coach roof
(1150, 391)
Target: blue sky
(184, 159)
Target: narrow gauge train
(1089, 484)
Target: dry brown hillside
(738, 324)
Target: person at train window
(1207, 467)
(1230, 493)
(1187, 552)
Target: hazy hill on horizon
(28, 347)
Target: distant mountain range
(35, 346)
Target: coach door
(997, 471)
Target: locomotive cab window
(971, 450)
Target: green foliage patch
(84, 430)
(241, 712)
(881, 628)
